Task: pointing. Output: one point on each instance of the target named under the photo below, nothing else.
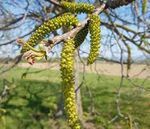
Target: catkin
(144, 6)
(66, 19)
(67, 70)
(77, 7)
(94, 29)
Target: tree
(117, 32)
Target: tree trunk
(78, 93)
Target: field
(34, 99)
(137, 70)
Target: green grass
(33, 101)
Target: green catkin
(144, 6)
(80, 36)
(66, 19)
(94, 29)
(77, 7)
(67, 70)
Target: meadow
(34, 98)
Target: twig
(17, 60)
(117, 3)
(130, 121)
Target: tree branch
(73, 32)
(54, 2)
(117, 3)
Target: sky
(28, 25)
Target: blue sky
(105, 51)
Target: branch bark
(117, 3)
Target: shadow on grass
(31, 102)
(103, 98)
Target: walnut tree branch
(117, 3)
(73, 32)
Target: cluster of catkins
(67, 55)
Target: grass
(34, 100)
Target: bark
(117, 3)
(78, 93)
